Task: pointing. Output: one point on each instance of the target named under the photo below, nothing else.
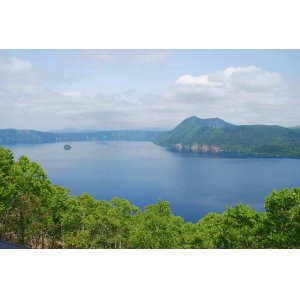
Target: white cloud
(189, 79)
(238, 94)
(11, 66)
(250, 79)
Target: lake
(142, 172)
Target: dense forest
(37, 214)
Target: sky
(147, 89)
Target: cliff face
(206, 148)
(195, 148)
(199, 148)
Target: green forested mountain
(13, 136)
(259, 140)
(37, 214)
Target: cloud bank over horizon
(38, 97)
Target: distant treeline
(37, 214)
(13, 136)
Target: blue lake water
(143, 173)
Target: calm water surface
(143, 172)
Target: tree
(282, 225)
(192, 238)
(59, 203)
(156, 228)
(6, 191)
(31, 193)
(210, 231)
(242, 227)
(238, 227)
(125, 213)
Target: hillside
(259, 140)
(297, 128)
(114, 135)
(13, 136)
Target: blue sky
(125, 89)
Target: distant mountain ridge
(215, 135)
(14, 136)
(25, 136)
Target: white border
(149, 274)
(149, 24)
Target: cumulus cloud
(16, 69)
(14, 66)
(244, 79)
(243, 95)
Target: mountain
(216, 135)
(195, 121)
(113, 135)
(13, 136)
(297, 128)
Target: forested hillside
(13, 136)
(297, 128)
(257, 140)
(37, 214)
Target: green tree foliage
(6, 163)
(282, 224)
(157, 227)
(31, 192)
(236, 228)
(40, 215)
(210, 231)
(241, 227)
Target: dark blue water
(143, 172)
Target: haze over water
(143, 173)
